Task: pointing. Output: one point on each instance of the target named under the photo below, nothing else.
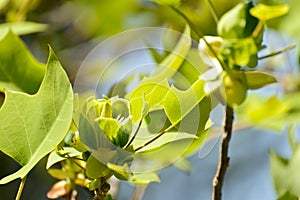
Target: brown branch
(223, 158)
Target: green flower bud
(235, 88)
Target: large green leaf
(167, 67)
(32, 125)
(19, 71)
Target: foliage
(114, 136)
(284, 171)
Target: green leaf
(22, 28)
(257, 79)
(94, 184)
(166, 69)
(110, 127)
(151, 90)
(178, 104)
(61, 174)
(190, 69)
(237, 22)
(273, 113)
(287, 196)
(148, 97)
(184, 165)
(32, 125)
(267, 12)
(95, 169)
(54, 157)
(286, 173)
(144, 178)
(121, 172)
(19, 71)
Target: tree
(142, 123)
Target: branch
(224, 158)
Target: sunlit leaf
(32, 125)
(184, 165)
(144, 178)
(110, 127)
(61, 174)
(259, 111)
(54, 158)
(121, 172)
(190, 70)
(19, 71)
(266, 12)
(257, 79)
(237, 22)
(178, 104)
(167, 67)
(274, 113)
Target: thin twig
(274, 53)
(223, 158)
(21, 187)
(213, 11)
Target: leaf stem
(274, 53)
(135, 133)
(213, 11)
(21, 15)
(258, 28)
(223, 158)
(21, 187)
(200, 35)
